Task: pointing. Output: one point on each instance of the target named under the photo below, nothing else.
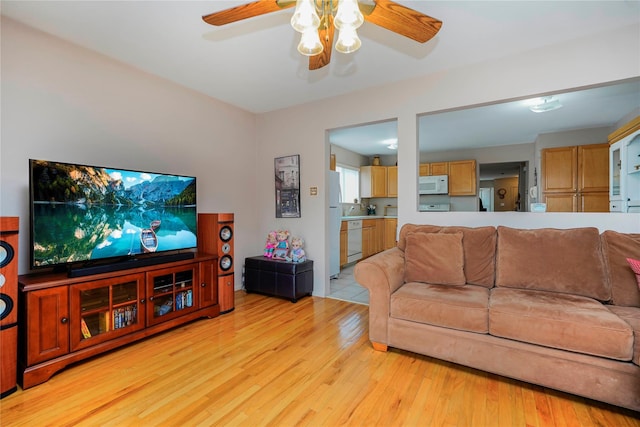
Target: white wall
(65, 103)
(62, 102)
(301, 130)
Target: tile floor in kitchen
(345, 288)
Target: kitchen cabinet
(463, 180)
(436, 168)
(378, 181)
(367, 240)
(392, 181)
(593, 168)
(379, 235)
(559, 170)
(343, 243)
(576, 178)
(372, 236)
(561, 202)
(439, 168)
(594, 202)
(373, 181)
(390, 231)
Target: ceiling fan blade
(404, 21)
(245, 11)
(326, 37)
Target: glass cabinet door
(615, 169)
(632, 169)
(104, 309)
(171, 293)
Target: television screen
(83, 213)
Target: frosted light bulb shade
(305, 17)
(348, 15)
(348, 40)
(310, 44)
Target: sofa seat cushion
(546, 259)
(631, 315)
(563, 321)
(457, 307)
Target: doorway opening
(503, 187)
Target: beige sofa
(557, 308)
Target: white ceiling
(499, 124)
(253, 64)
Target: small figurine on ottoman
(270, 246)
(282, 245)
(297, 253)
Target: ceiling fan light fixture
(324, 17)
(305, 17)
(310, 43)
(348, 40)
(348, 15)
(545, 104)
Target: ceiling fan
(318, 19)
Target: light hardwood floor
(271, 362)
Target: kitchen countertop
(348, 218)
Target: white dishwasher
(354, 240)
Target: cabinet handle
(150, 298)
(142, 301)
(203, 285)
(64, 320)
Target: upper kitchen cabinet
(463, 179)
(436, 168)
(439, 168)
(378, 181)
(576, 178)
(373, 181)
(560, 170)
(593, 168)
(392, 181)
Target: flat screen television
(85, 216)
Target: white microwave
(436, 184)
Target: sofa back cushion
(434, 258)
(617, 247)
(568, 261)
(478, 244)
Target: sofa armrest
(381, 274)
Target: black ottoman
(291, 280)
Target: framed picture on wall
(287, 174)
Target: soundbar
(129, 264)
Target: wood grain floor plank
(271, 362)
